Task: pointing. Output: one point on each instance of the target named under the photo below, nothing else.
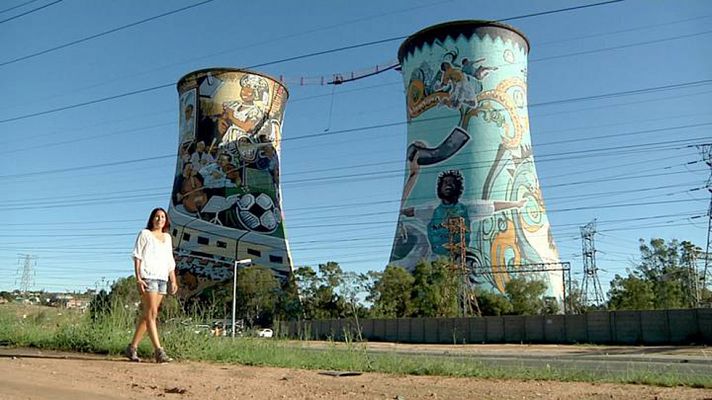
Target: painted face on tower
(449, 189)
(247, 94)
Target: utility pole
(691, 285)
(591, 290)
(706, 151)
(458, 256)
(27, 263)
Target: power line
(135, 130)
(341, 247)
(113, 221)
(380, 221)
(86, 103)
(562, 10)
(533, 105)
(476, 165)
(123, 195)
(83, 167)
(85, 39)
(86, 138)
(633, 29)
(30, 11)
(380, 15)
(332, 238)
(625, 46)
(17, 6)
(589, 151)
(362, 175)
(702, 82)
(294, 58)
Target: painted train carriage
(471, 192)
(226, 203)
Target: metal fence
(656, 327)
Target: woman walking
(154, 266)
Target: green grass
(67, 330)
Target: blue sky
(619, 95)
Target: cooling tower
(469, 157)
(226, 202)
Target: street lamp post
(234, 288)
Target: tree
(631, 293)
(257, 292)
(100, 306)
(307, 284)
(329, 304)
(526, 296)
(7, 295)
(391, 293)
(123, 295)
(660, 264)
(435, 290)
(353, 286)
(493, 303)
(658, 281)
(289, 306)
(319, 292)
(124, 291)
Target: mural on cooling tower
(226, 203)
(469, 154)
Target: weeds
(59, 329)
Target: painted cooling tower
(226, 202)
(469, 155)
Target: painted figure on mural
(190, 190)
(419, 153)
(187, 124)
(449, 188)
(464, 83)
(220, 175)
(462, 89)
(201, 157)
(269, 161)
(246, 114)
(183, 157)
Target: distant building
(80, 304)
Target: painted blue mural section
(470, 173)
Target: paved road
(690, 361)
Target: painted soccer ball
(257, 213)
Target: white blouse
(156, 257)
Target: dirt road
(52, 376)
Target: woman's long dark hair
(149, 224)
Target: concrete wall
(657, 327)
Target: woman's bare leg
(152, 301)
(140, 331)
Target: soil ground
(31, 374)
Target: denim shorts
(156, 286)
